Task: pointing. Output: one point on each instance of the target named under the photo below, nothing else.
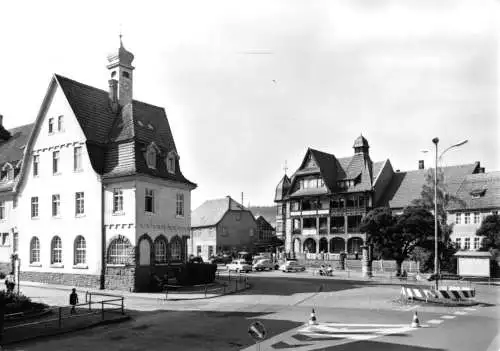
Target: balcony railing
(337, 229)
(353, 229)
(309, 231)
(296, 231)
(323, 230)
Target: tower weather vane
(285, 168)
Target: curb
(62, 332)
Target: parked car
(239, 266)
(445, 276)
(292, 266)
(263, 264)
(221, 259)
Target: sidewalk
(173, 296)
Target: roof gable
(478, 191)
(211, 212)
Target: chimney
(1, 120)
(421, 164)
(113, 95)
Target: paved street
(352, 315)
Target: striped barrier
(449, 293)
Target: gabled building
(99, 199)
(222, 226)
(265, 233)
(321, 205)
(479, 196)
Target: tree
(396, 236)
(490, 230)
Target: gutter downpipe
(103, 241)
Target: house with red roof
(93, 193)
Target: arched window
(56, 250)
(80, 250)
(176, 249)
(118, 252)
(35, 250)
(160, 250)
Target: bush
(2, 275)
(15, 303)
(196, 273)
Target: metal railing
(57, 319)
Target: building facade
(98, 198)
(479, 197)
(222, 226)
(320, 207)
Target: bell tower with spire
(121, 71)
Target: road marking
(447, 317)
(460, 313)
(470, 309)
(325, 335)
(435, 321)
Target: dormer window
(171, 162)
(125, 74)
(8, 171)
(151, 155)
(51, 125)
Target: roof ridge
(102, 90)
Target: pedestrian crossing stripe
(470, 309)
(435, 321)
(460, 313)
(447, 317)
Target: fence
(224, 284)
(96, 308)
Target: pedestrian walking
(9, 283)
(73, 300)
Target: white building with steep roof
(96, 196)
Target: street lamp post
(436, 261)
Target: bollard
(90, 301)
(236, 282)
(123, 305)
(205, 289)
(224, 288)
(102, 309)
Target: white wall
(164, 220)
(67, 226)
(6, 228)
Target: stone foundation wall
(120, 278)
(79, 280)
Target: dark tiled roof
(118, 141)
(328, 167)
(361, 142)
(282, 188)
(487, 188)
(377, 167)
(407, 186)
(12, 150)
(211, 212)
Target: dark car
(444, 276)
(220, 259)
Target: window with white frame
(51, 125)
(198, 250)
(2, 210)
(458, 242)
(77, 158)
(477, 218)
(467, 218)
(149, 200)
(80, 253)
(36, 162)
(56, 250)
(160, 250)
(117, 200)
(210, 250)
(119, 251)
(467, 244)
(477, 243)
(5, 239)
(458, 218)
(35, 250)
(55, 162)
(34, 207)
(60, 123)
(179, 208)
(56, 205)
(79, 203)
(176, 249)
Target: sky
(250, 85)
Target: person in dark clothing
(73, 300)
(2, 315)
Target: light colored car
(263, 264)
(292, 266)
(239, 266)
